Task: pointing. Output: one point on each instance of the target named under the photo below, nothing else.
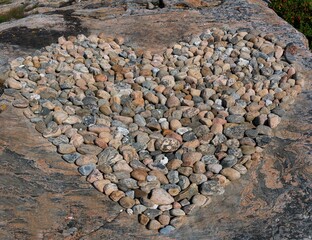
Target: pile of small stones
(159, 134)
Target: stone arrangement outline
(160, 134)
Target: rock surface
(260, 198)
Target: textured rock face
(261, 204)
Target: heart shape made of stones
(159, 134)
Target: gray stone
(71, 158)
(215, 168)
(167, 230)
(127, 183)
(139, 120)
(209, 159)
(228, 161)
(173, 176)
(85, 170)
(109, 156)
(235, 131)
(210, 188)
(235, 119)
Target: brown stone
(139, 174)
(230, 173)
(99, 184)
(66, 148)
(174, 164)
(189, 158)
(100, 78)
(126, 202)
(101, 143)
(188, 193)
(143, 219)
(164, 219)
(173, 101)
(160, 176)
(154, 225)
(116, 195)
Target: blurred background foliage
(297, 12)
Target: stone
(86, 169)
(199, 200)
(126, 202)
(86, 159)
(237, 110)
(139, 174)
(109, 156)
(152, 213)
(177, 212)
(138, 209)
(14, 84)
(127, 183)
(240, 168)
(76, 140)
(20, 103)
(177, 222)
(116, 196)
(59, 117)
(160, 196)
(89, 149)
(72, 157)
(209, 159)
(264, 130)
(234, 131)
(143, 219)
(173, 176)
(95, 175)
(228, 161)
(164, 219)
(189, 158)
(154, 225)
(190, 112)
(273, 120)
(99, 184)
(109, 188)
(247, 150)
(168, 144)
(152, 98)
(122, 166)
(188, 193)
(168, 81)
(161, 177)
(167, 230)
(231, 173)
(198, 178)
(210, 188)
(139, 120)
(66, 148)
(215, 168)
(173, 101)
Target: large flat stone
(43, 197)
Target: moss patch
(14, 13)
(5, 1)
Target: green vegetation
(14, 13)
(297, 12)
(5, 1)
